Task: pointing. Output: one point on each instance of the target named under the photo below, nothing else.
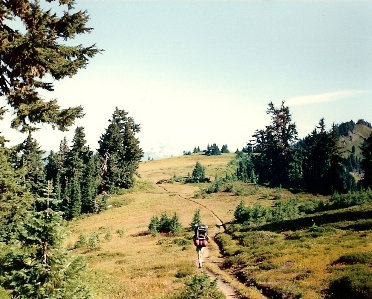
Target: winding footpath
(226, 288)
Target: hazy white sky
(199, 72)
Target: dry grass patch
(164, 169)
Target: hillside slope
(298, 257)
(354, 138)
(125, 261)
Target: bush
(4, 294)
(355, 258)
(185, 270)
(181, 242)
(241, 215)
(154, 225)
(165, 224)
(350, 199)
(356, 284)
(81, 242)
(120, 232)
(227, 246)
(93, 242)
(201, 287)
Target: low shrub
(181, 242)
(355, 258)
(93, 242)
(81, 242)
(201, 287)
(185, 271)
(357, 283)
(227, 245)
(120, 232)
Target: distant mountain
(353, 134)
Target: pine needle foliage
(35, 46)
(37, 265)
(120, 152)
(196, 220)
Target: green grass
(306, 254)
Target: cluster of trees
(37, 46)
(315, 163)
(353, 162)
(259, 214)
(198, 174)
(212, 150)
(78, 174)
(167, 224)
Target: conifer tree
(31, 160)
(15, 199)
(322, 162)
(196, 220)
(77, 162)
(245, 171)
(224, 149)
(38, 266)
(30, 56)
(51, 166)
(120, 152)
(2, 138)
(213, 150)
(196, 150)
(274, 145)
(367, 162)
(198, 173)
(89, 185)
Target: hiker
(201, 239)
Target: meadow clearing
(298, 260)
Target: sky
(194, 73)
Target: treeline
(212, 150)
(278, 158)
(33, 260)
(36, 194)
(80, 176)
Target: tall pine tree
(33, 55)
(76, 162)
(38, 266)
(120, 152)
(367, 162)
(15, 199)
(31, 161)
(275, 147)
(323, 171)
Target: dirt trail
(227, 289)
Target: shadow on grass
(325, 218)
(140, 234)
(362, 225)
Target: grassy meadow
(299, 258)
